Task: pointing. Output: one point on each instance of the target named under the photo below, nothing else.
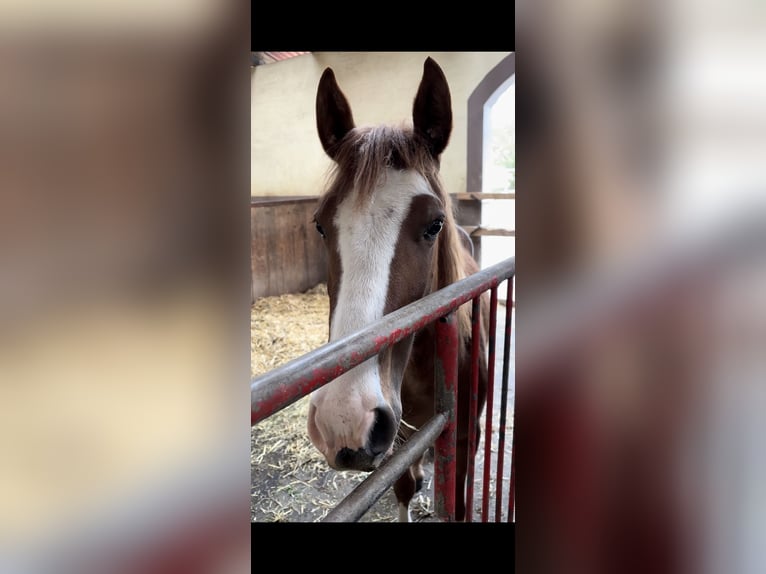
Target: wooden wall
(287, 255)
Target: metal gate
(283, 386)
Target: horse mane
(452, 263)
(362, 156)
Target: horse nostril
(345, 458)
(382, 432)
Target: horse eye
(433, 229)
(319, 229)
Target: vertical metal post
(512, 486)
(504, 401)
(445, 401)
(473, 402)
(490, 405)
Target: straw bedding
(291, 481)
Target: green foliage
(504, 152)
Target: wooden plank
(478, 230)
(282, 199)
(287, 254)
(478, 196)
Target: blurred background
(124, 287)
(641, 212)
(125, 283)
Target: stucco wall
(286, 156)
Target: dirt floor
(290, 480)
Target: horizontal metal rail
(480, 195)
(477, 230)
(361, 499)
(284, 385)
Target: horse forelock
(366, 152)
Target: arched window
(484, 174)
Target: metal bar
(473, 402)
(283, 386)
(479, 195)
(503, 405)
(361, 499)
(445, 401)
(476, 230)
(490, 404)
(512, 486)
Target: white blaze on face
(367, 237)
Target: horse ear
(432, 111)
(334, 118)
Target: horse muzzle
(360, 459)
(366, 451)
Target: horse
(391, 237)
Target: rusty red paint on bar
(490, 405)
(445, 401)
(473, 405)
(504, 402)
(283, 386)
